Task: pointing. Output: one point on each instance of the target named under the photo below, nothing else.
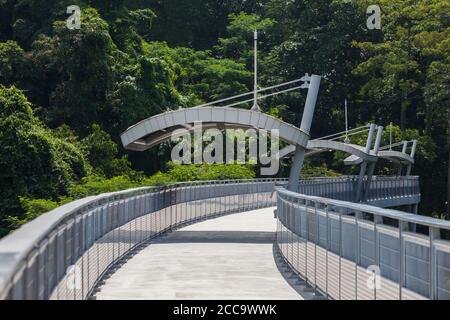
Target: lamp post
(255, 62)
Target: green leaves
(198, 76)
(14, 103)
(132, 60)
(94, 185)
(33, 162)
(12, 62)
(198, 172)
(239, 43)
(102, 153)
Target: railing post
(358, 215)
(434, 234)
(315, 246)
(376, 221)
(328, 230)
(404, 146)
(402, 226)
(306, 239)
(341, 210)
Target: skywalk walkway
(230, 257)
(203, 240)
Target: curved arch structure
(391, 155)
(368, 157)
(163, 127)
(318, 146)
(158, 129)
(396, 156)
(344, 147)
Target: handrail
(250, 93)
(342, 133)
(23, 245)
(388, 213)
(76, 224)
(346, 238)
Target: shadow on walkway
(218, 237)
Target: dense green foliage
(199, 172)
(66, 95)
(102, 153)
(33, 163)
(94, 185)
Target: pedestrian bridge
(317, 238)
(117, 243)
(227, 257)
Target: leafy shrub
(158, 179)
(33, 162)
(33, 208)
(197, 172)
(102, 153)
(321, 171)
(94, 185)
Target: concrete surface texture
(230, 257)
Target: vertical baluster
(294, 229)
(299, 234)
(328, 231)
(306, 240)
(340, 251)
(357, 252)
(315, 246)
(401, 227)
(376, 220)
(378, 189)
(434, 233)
(283, 221)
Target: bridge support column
(408, 170)
(372, 164)
(363, 169)
(305, 126)
(413, 153)
(296, 168)
(369, 180)
(362, 173)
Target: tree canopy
(66, 95)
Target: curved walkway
(163, 127)
(230, 257)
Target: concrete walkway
(230, 257)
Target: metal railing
(64, 253)
(384, 191)
(347, 250)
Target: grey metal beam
(372, 165)
(305, 126)
(161, 128)
(362, 173)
